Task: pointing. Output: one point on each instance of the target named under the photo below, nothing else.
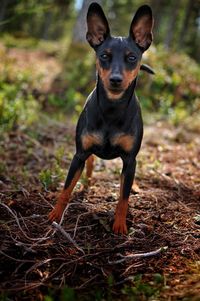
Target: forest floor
(82, 259)
(164, 213)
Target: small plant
(3, 168)
(59, 154)
(3, 297)
(48, 298)
(67, 294)
(51, 178)
(141, 290)
(197, 219)
(45, 177)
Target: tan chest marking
(90, 139)
(124, 141)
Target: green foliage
(46, 178)
(66, 294)
(3, 297)
(174, 90)
(45, 19)
(197, 219)
(50, 178)
(18, 107)
(48, 298)
(71, 100)
(12, 41)
(141, 290)
(59, 154)
(79, 75)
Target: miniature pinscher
(110, 124)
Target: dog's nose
(115, 79)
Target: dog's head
(118, 59)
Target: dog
(110, 124)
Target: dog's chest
(101, 141)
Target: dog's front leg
(127, 178)
(73, 176)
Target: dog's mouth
(116, 90)
(115, 93)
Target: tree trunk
(186, 21)
(3, 6)
(47, 23)
(172, 24)
(158, 11)
(76, 60)
(79, 31)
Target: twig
(58, 226)
(44, 199)
(135, 265)
(65, 264)
(45, 237)
(21, 218)
(16, 259)
(38, 264)
(129, 278)
(22, 287)
(76, 225)
(138, 255)
(88, 281)
(63, 214)
(15, 217)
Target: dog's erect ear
(141, 27)
(98, 29)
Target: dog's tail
(147, 68)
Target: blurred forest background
(47, 71)
(33, 30)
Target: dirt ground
(83, 253)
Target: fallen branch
(138, 255)
(58, 227)
(78, 218)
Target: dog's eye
(131, 58)
(105, 56)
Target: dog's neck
(114, 110)
(120, 103)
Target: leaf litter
(82, 252)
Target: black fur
(112, 111)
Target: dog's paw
(135, 188)
(56, 214)
(119, 227)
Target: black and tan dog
(110, 124)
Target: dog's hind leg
(89, 167)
